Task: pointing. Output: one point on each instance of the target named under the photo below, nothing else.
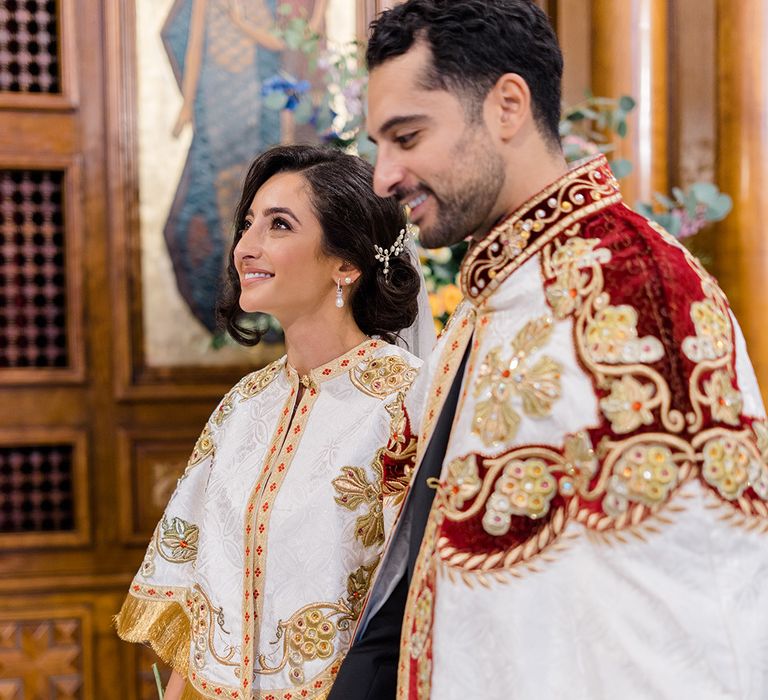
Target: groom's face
(431, 155)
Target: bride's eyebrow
(281, 210)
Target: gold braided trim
(163, 625)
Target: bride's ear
(346, 272)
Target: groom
(588, 514)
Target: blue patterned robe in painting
(231, 126)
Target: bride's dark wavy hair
(352, 219)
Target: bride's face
(279, 259)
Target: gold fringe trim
(163, 625)
(189, 693)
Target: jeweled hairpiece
(393, 251)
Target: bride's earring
(339, 296)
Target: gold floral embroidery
(713, 332)
(606, 339)
(525, 487)
(310, 633)
(203, 448)
(178, 541)
(645, 474)
(727, 466)
(225, 408)
(307, 635)
(564, 204)
(462, 481)
(148, 563)
(629, 404)
(725, 400)
(612, 337)
(580, 465)
(354, 491)
(572, 284)
(383, 376)
(207, 624)
(256, 382)
(498, 381)
(358, 583)
(401, 450)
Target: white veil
(419, 338)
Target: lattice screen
(33, 329)
(29, 60)
(36, 491)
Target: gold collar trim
(576, 195)
(332, 369)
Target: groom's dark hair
(473, 43)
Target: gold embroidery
(358, 583)
(354, 491)
(629, 405)
(646, 473)
(254, 383)
(525, 487)
(727, 466)
(713, 332)
(567, 262)
(422, 622)
(498, 381)
(178, 541)
(612, 337)
(307, 635)
(724, 400)
(401, 450)
(463, 481)
(383, 376)
(204, 447)
(580, 465)
(311, 632)
(581, 193)
(606, 338)
(148, 564)
(760, 475)
(208, 623)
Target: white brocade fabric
(273, 533)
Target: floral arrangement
(336, 112)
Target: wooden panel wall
(91, 438)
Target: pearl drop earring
(339, 296)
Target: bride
(256, 574)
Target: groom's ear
(508, 106)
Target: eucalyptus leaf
(704, 191)
(665, 201)
(626, 103)
(621, 168)
(679, 195)
(621, 128)
(719, 208)
(284, 9)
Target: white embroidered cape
(257, 571)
